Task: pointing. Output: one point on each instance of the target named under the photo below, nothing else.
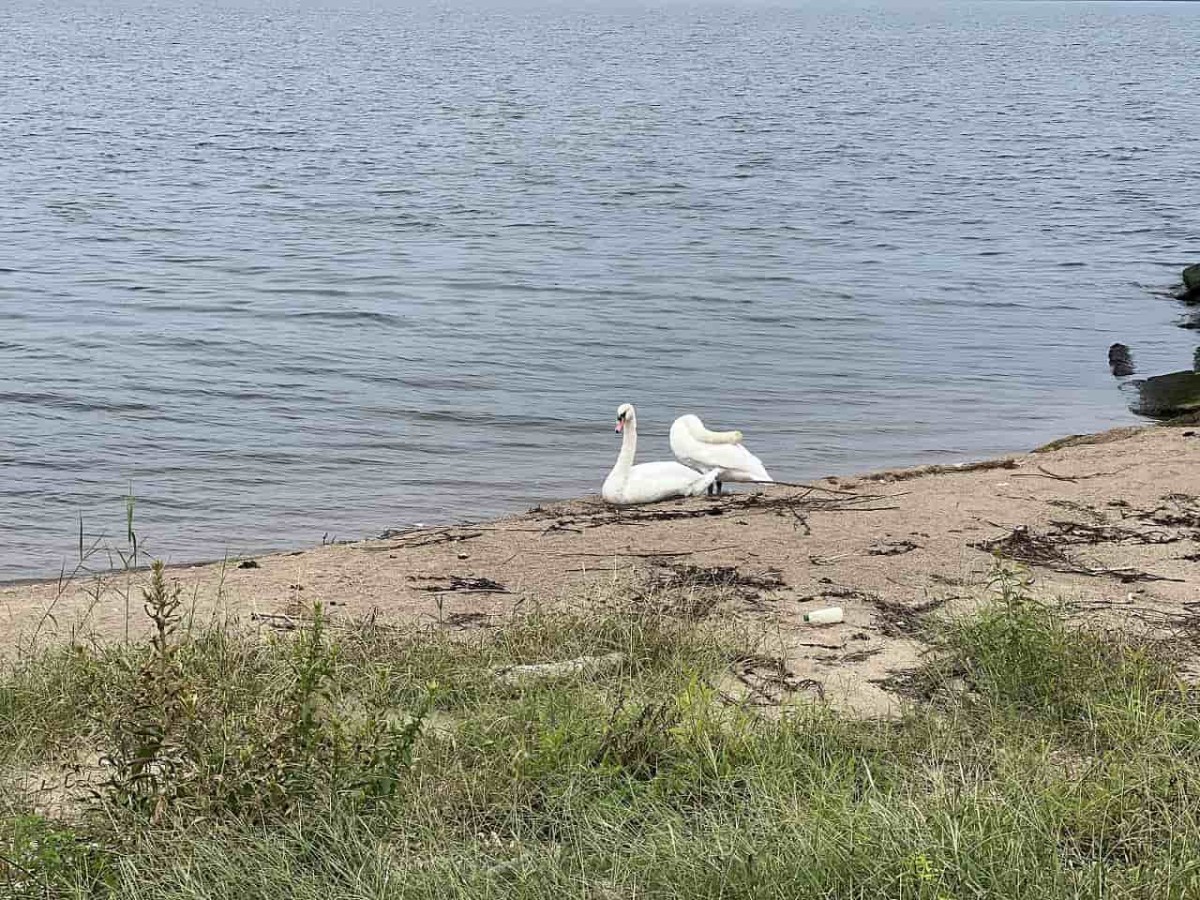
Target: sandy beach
(1109, 523)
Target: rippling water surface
(290, 270)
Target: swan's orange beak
(620, 426)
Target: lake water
(297, 270)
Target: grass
(366, 762)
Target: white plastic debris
(830, 615)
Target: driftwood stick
(817, 560)
(13, 865)
(648, 554)
(942, 469)
(440, 537)
(1043, 472)
(853, 498)
(441, 591)
(284, 622)
(278, 619)
(582, 665)
(803, 484)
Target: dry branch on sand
(1025, 545)
(597, 515)
(459, 584)
(942, 469)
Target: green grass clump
(362, 761)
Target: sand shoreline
(891, 473)
(1110, 523)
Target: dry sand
(1110, 523)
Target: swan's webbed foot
(709, 490)
(719, 487)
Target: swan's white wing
(748, 467)
(663, 472)
(733, 457)
(735, 461)
(652, 481)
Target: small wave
(651, 190)
(349, 315)
(58, 401)
(333, 316)
(473, 417)
(242, 395)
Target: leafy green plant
(176, 744)
(148, 744)
(1022, 653)
(40, 859)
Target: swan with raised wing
(697, 447)
(628, 484)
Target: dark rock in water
(1196, 360)
(1120, 360)
(1168, 396)
(1191, 285)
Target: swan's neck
(628, 449)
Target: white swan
(627, 484)
(696, 446)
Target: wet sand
(1109, 523)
